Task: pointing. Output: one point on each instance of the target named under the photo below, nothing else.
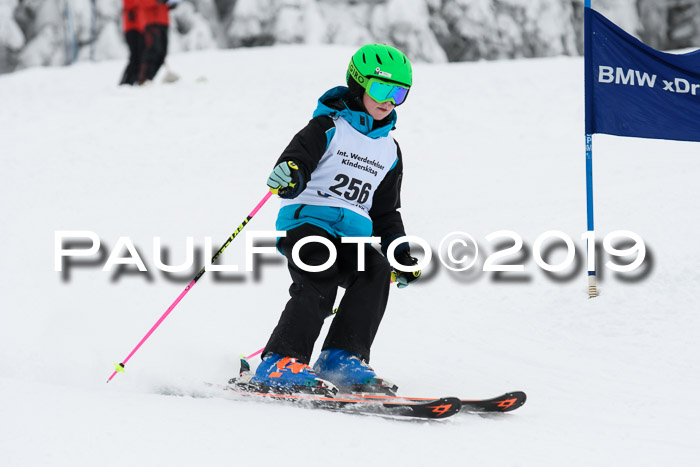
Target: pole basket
(592, 287)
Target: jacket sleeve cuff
(401, 247)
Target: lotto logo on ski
(441, 409)
(506, 403)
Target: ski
(438, 408)
(504, 403)
(384, 402)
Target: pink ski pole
(257, 352)
(119, 367)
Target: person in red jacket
(134, 25)
(157, 22)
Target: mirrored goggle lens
(382, 92)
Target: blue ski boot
(285, 375)
(350, 373)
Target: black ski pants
(156, 49)
(313, 295)
(136, 42)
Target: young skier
(340, 176)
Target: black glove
(286, 180)
(404, 279)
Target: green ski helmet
(383, 65)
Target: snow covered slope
(487, 147)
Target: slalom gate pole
(119, 367)
(592, 283)
(588, 84)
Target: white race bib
(350, 170)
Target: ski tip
(505, 403)
(520, 398)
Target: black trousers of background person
(156, 49)
(313, 295)
(135, 40)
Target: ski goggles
(381, 91)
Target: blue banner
(635, 90)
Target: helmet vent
(364, 60)
(390, 56)
(379, 59)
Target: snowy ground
(487, 147)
